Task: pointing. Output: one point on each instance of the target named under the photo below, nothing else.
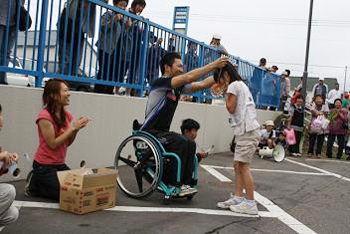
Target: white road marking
(45, 205)
(189, 210)
(283, 216)
(328, 160)
(32, 204)
(216, 174)
(274, 171)
(319, 169)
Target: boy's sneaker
(233, 200)
(245, 208)
(318, 155)
(27, 192)
(186, 189)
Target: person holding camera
(8, 212)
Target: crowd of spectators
(329, 113)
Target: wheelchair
(141, 161)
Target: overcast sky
(274, 29)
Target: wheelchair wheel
(139, 165)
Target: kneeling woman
(56, 133)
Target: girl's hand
(80, 123)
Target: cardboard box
(85, 190)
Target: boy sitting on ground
(268, 135)
(281, 139)
(189, 128)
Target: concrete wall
(111, 123)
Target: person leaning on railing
(256, 80)
(109, 46)
(133, 44)
(56, 132)
(76, 20)
(7, 10)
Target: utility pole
(346, 69)
(305, 73)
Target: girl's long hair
(231, 70)
(51, 92)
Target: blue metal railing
(92, 42)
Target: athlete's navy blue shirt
(161, 105)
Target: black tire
(140, 172)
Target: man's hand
(202, 154)
(221, 62)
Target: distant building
(27, 52)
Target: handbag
(325, 123)
(316, 124)
(290, 136)
(23, 15)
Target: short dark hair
(117, 1)
(288, 72)
(138, 2)
(338, 99)
(0, 108)
(189, 124)
(168, 59)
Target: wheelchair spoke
(138, 175)
(127, 161)
(149, 178)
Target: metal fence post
(201, 64)
(144, 54)
(42, 42)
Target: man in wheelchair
(162, 101)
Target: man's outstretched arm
(200, 85)
(193, 75)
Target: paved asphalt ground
(298, 195)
